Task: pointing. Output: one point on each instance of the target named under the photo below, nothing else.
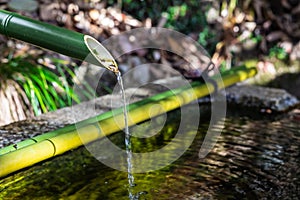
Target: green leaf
(32, 97)
(44, 92)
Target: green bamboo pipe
(57, 39)
(111, 122)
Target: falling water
(127, 139)
(114, 68)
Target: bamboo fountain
(84, 47)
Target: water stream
(128, 146)
(127, 138)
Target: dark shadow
(289, 82)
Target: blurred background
(35, 81)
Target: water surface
(254, 158)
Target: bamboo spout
(54, 38)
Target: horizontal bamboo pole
(59, 131)
(29, 155)
(69, 138)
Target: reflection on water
(253, 159)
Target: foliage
(143, 9)
(207, 40)
(278, 52)
(39, 88)
(186, 17)
(183, 16)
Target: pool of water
(255, 157)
